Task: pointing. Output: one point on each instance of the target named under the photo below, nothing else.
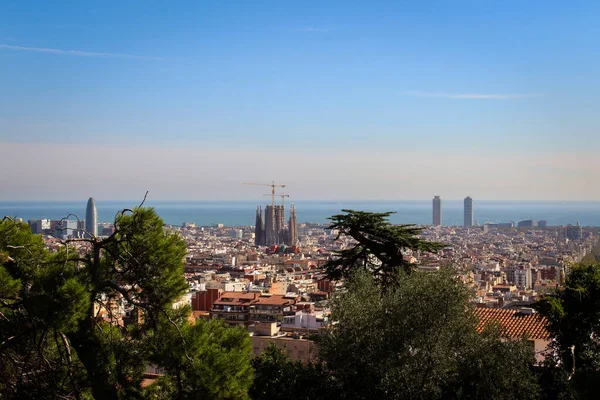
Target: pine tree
(378, 247)
(53, 342)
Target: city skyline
(344, 100)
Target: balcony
(229, 310)
(264, 311)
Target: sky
(347, 100)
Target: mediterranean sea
(239, 213)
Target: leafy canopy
(418, 340)
(574, 315)
(379, 245)
(59, 337)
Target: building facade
(273, 230)
(91, 218)
(39, 226)
(468, 212)
(293, 227)
(259, 228)
(574, 232)
(437, 211)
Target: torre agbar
(91, 218)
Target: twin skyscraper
(437, 211)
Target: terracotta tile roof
(253, 298)
(514, 323)
(275, 300)
(236, 298)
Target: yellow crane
(272, 185)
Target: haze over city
(343, 100)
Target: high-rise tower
(91, 218)
(437, 211)
(468, 211)
(293, 227)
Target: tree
(379, 245)
(278, 378)
(573, 368)
(417, 339)
(211, 362)
(54, 343)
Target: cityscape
(230, 269)
(300, 199)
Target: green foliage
(147, 257)
(574, 315)
(40, 300)
(206, 360)
(379, 245)
(276, 377)
(417, 340)
(53, 344)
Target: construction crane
(282, 195)
(272, 185)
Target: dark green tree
(573, 369)
(417, 340)
(378, 247)
(276, 377)
(54, 344)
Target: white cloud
(471, 96)
(76, 53)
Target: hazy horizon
(288, 201)
(242, 212)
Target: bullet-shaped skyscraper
(91, 218)
(437, 211)
(468, 211)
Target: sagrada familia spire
(272, 229)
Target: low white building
(304, 320)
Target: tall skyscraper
(437, 211)
(468, 211)
(91, 218)
(293, 227)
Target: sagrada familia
(271, 228)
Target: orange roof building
(517, 324)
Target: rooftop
(514, 323)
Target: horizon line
(300, 199)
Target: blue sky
(339, 99)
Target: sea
(242, 213)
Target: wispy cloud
(469, 96)
(76, 53)
(311, 29)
